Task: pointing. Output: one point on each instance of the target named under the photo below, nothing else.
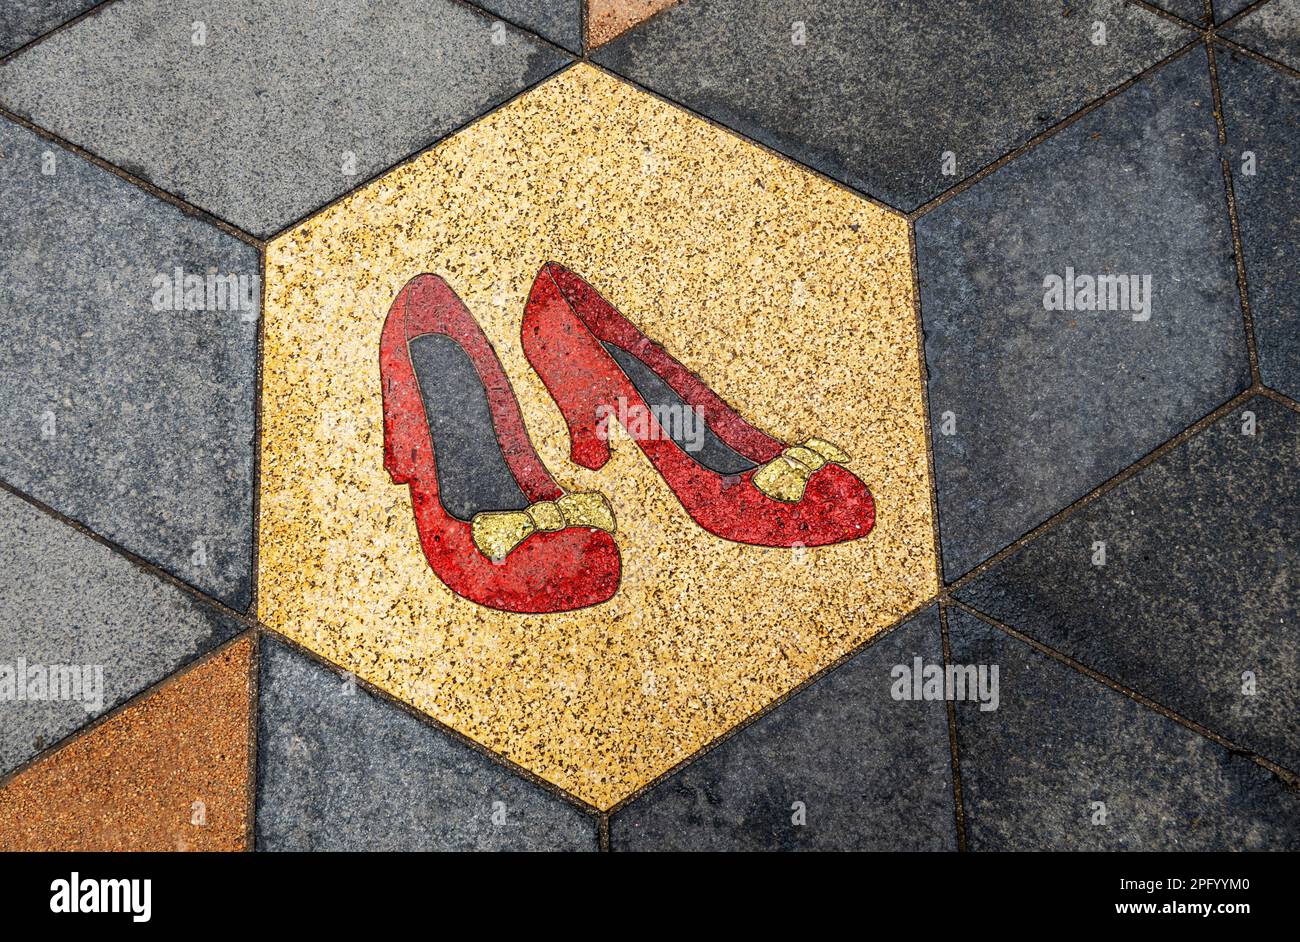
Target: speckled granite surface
(609, 19)
(1272, 29)
(763, 278)
(169, 772)
(877, 93)
(1207, 532)
(120, 407)
(1066, 763)
(259, 111)
(70, 601)
(22, 21)
(560, 21)
(1023, 396)
(842, 765)
(341, 769)
(1261, 108)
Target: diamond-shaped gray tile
(340, 769)
(261, 111)
(1067, 763)
(120, 407)
(900, 100)
(850, 763)
(81, 630)
(1034, 399)
(1181, 582)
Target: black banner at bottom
(339, 891)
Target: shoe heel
(401, 406)
(590, 449)
(571, 363)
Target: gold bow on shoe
(498, 532)
(785, 476)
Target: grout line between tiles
(1243, 12)
(422, 152)
(912, 215)
(254, 690)
(1257, 56)
(468, 4)
(1292, 779)
(1168, 15)
(431, 721)
(122, 707)
(1047, 133)
(254, 709)
(139, 562)
(256, 563)
(923, 373)
(1281, 399)
(958, 807)
(1065, 513)
(946, 594)
(189, 208)
(1248, 321)
(638, 24)
(749, 141)
(762, 711)
(495, 17)
(57, 29)
(230, 228)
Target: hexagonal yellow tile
(790, 297)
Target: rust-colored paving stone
(168, 773)
(607, 19)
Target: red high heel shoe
(493, 524)
(737, 482)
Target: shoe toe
(567, 569)
(837, 507)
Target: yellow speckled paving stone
(790, 297)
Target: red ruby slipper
(493, 524)
(734, 480)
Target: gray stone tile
(66, 600)
(880, 91)
(1037, 771)
(1223, 9)
(1194, 11)
(1032, 408)
(341, 769)
(261, 124)
(1199, 584)
(560, 21)
(1273, 29)
(136, 421)
(21, 21)
(871, 772)
(1261, 110)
